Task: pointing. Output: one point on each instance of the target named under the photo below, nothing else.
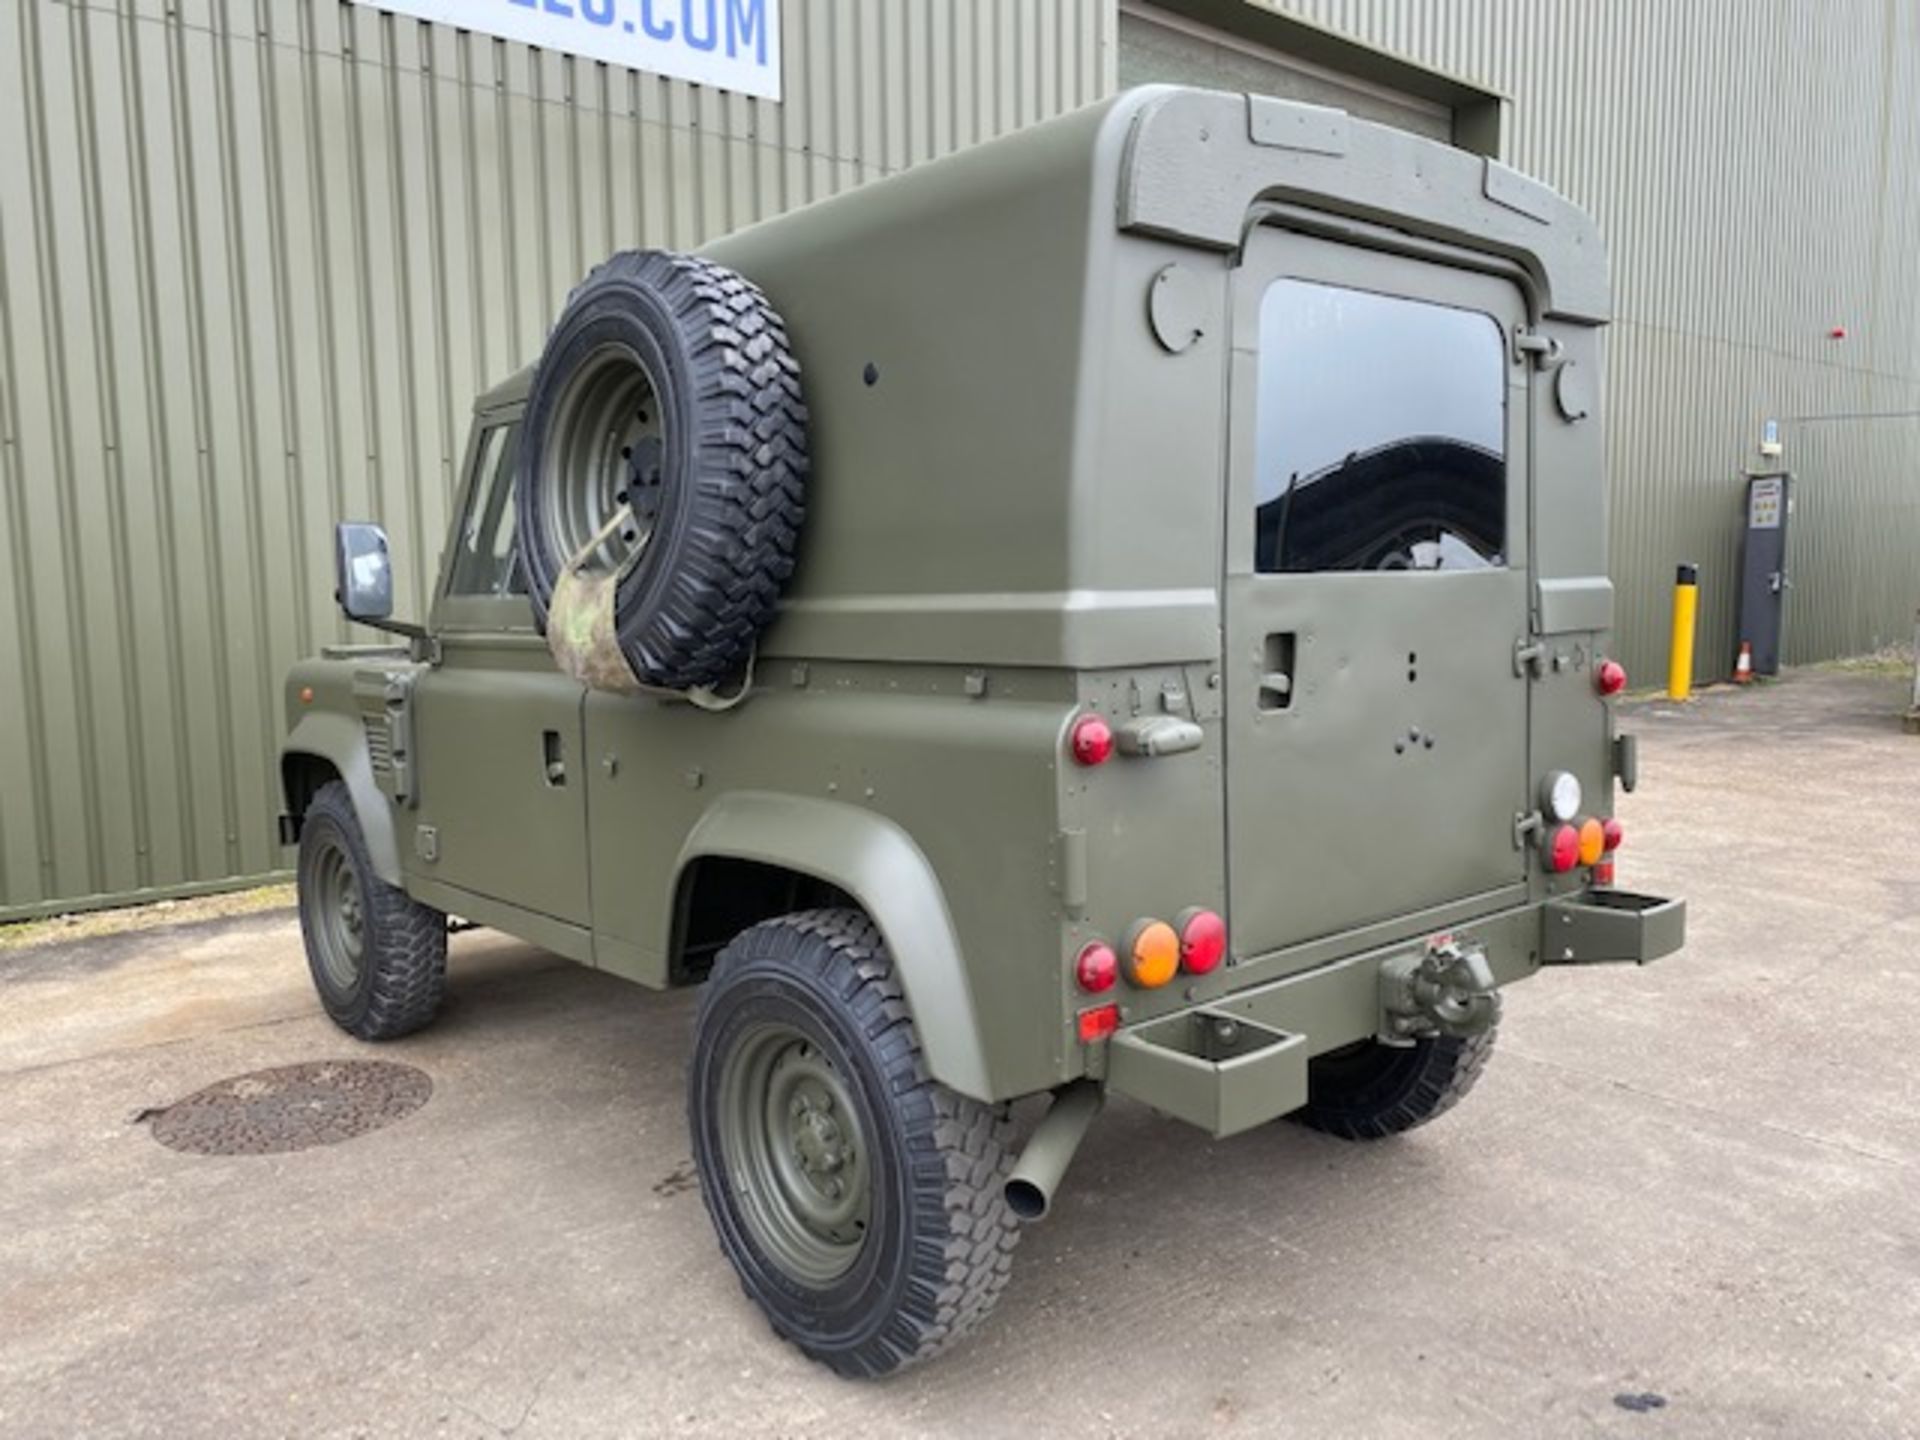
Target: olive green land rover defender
(1124, 608)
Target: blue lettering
(600, 12)
(558, 7)
(661, 30)
(747, 25)
(525, 4)
(697, 41)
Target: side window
(486, 561)
(1380, 433)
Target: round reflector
(1091, 740)
(1203, 941)
(1610, 677)
(1152, 954)
(1593, 841)
(1610, 829)
(1096, 967)
(1563, 848)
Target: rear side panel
(1376, 588)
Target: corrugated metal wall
(256, 256)
(1755, 165)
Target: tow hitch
(1449, 990)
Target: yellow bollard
(1686, 603)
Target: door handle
(1276, 671)
(553, 758)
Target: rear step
(1608, 927)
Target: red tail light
(1610, 677)
(1612, 834)
(1096, 967)
(1203, 941)
(1563, 849)
(1091, 740)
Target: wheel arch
(877, 866)
(323, 743)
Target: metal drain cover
(292, 1107)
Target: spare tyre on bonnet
(662, 469)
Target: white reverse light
(1562, 793)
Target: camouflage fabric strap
(583, 631)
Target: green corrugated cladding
(256, 257)
(1755, 167)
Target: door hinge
(1529, 657)
(1626, 761)
(1544, 349)
(1526, 826)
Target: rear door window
(1380, 433)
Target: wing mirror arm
(363, 586)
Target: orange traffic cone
(1743, 667)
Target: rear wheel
(378, 956)
(858, 1199)
(1369, 1091)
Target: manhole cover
(293, 1107)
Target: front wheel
(858, 1199)
(378, 956)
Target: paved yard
(1697, 1184)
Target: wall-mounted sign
(731, 44)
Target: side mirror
(362, 571)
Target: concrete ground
(1684, 1201)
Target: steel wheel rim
(796, 1153)
(605, 458)
(340, 916)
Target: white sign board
(729, 44)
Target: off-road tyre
(1369, 1091)
(937, 1245)
(394, 985)
(725, 444)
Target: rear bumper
(1240, 1060)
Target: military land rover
(1122, 608)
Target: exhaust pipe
(1050, 1149)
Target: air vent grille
(379, 743)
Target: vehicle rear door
(1375, 590)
